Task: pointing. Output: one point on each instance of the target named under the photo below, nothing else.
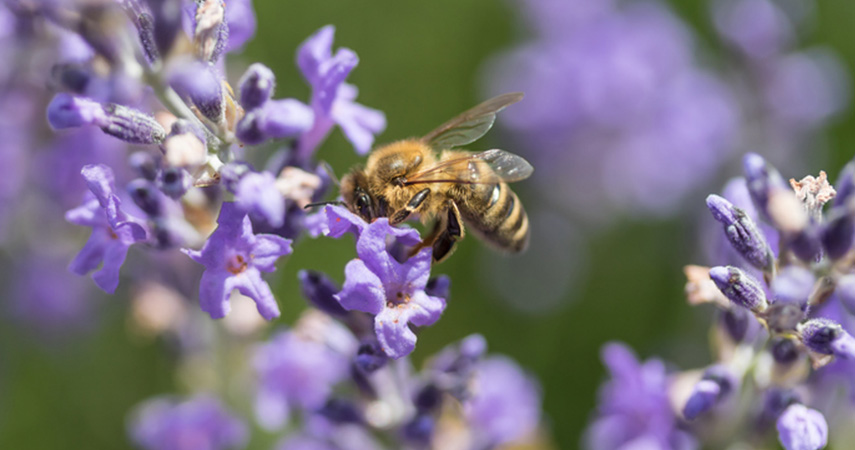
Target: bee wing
(470, 125)
(491, 166)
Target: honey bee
(426, 178)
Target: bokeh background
(582, 285)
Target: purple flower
(743, 234)
(828, 338)
(739, 287)
(623, 118)
(802, 428)
(758, 28)
(505, 403)
(256, 194)
(234, 258)
(275, 119)
(240, 18)
(125, 123)
(256, 86)
(198, 82)
(633, 407)
(391, 291)
(113, 232)
(201, 423)
(294, 372)
(715, 386)
(333, 100)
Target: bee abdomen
(498, 216)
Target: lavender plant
(623, 117)
(145, 115)
(781, 338)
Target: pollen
(237, 265)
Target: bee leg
(414, 203)
(450, 232)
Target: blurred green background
(420, 63)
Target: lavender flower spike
(739, 288)
(393, 292)
(742, 233)
(294, 372)
(828, 338)
(234, 258)
(199, 423)
(801, 428)
(113, 232)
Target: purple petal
(395, 336)
(267, 249)
(285, 118)
(66, 111)
(240, 17)
(114, 256)
(250, 284)
(359, 123)
(415, 272)
(341, 221)
(426, 309)
(214, 290)
(89, 214)
(92, 253)
(362, 290)
(257, 193)
(315, 50)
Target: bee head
(356, 196)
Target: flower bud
(198, 83)
(801, 428)
(174, 182)
(275, 119)
(704, 396)
(739, 288)
(762, 180)
(715, 385)
(736, 322)
(318, 289)
(131, 125)
(837, 235)
(806, 243)
(742, 233)
(144, 164)
(370, 357)
(145, 195)
(256, 86)
(784, 351)
(67, 111)
(828, 338)
(167, 23)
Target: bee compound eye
(363, 205)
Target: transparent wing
(491, 166)
(470, 125)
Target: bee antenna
(316, 204)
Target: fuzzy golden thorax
(389, 166)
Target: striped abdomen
(496, 214)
